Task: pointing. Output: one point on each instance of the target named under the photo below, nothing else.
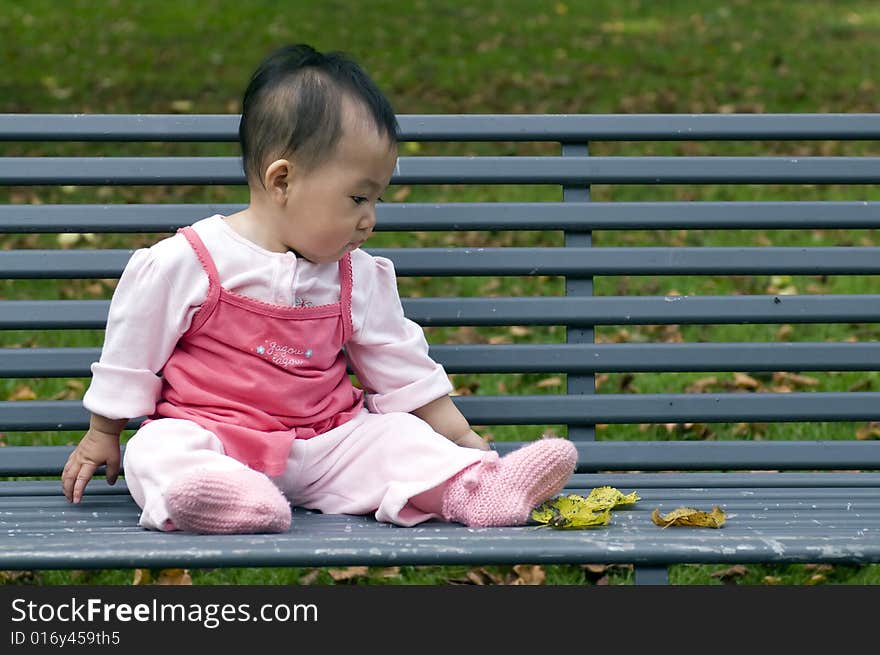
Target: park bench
(746, 385)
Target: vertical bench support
(651, 575)
(578, 384)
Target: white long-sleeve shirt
(162, 287)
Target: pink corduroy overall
(259, 375)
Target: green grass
(498, 56)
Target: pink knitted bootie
(227, 502)
(503, 491)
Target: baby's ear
(277, 178)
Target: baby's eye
(359, 200)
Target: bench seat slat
(473, 216)
(604, 456)
(850, 483)
(548, 358)
(562, 409)
(445, 262)
(462, 127)
(24, 171)
(326, 540)
(574, 311)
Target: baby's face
(331, 210)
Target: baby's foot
(504, 491)
(227, 502)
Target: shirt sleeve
(148, 313)
(389, 352)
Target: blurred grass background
(514, 56)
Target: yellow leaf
(575, 511)
(609, 497)
(688, 516)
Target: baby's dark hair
(294, 103)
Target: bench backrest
(660, 288)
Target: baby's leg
(180, 477)
(375, 464)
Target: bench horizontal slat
(446, 262)
(847, 484)
(577, 216)
(574, 311)
(335, 540)
(608, 456)
(462, 170)
(485, 127)
(548, 358)
(561, 409)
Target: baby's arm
(147, 314)
(444, 417)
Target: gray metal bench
(811, 496)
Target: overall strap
(345, 283)
(214, 287)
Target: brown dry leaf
(701, 385)
(734, 571)
(520, 331)
(388, 572)
(402, 194)
(870, 431)
(784, 332)
(596, 569)
(347, 574)
(483, 577)
(23, 392)
(528, 574)
(142, 577)
(744, 381)
(174, 577)
(687, 516)
(74, 390)
(16, 576)
(795, 380)
(549, 382)
(310, 577)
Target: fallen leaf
(870, 431)
(744, 381)
(731, 572)
(528, 574)
(574, 511)
(142, 577)
(687, 516)
(609, 497)
(23, 392)
(174, 577)
(347, 574)
(310, 577)
(569, 512)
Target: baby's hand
(472, 440)
(96, 449)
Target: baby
(234, 337)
